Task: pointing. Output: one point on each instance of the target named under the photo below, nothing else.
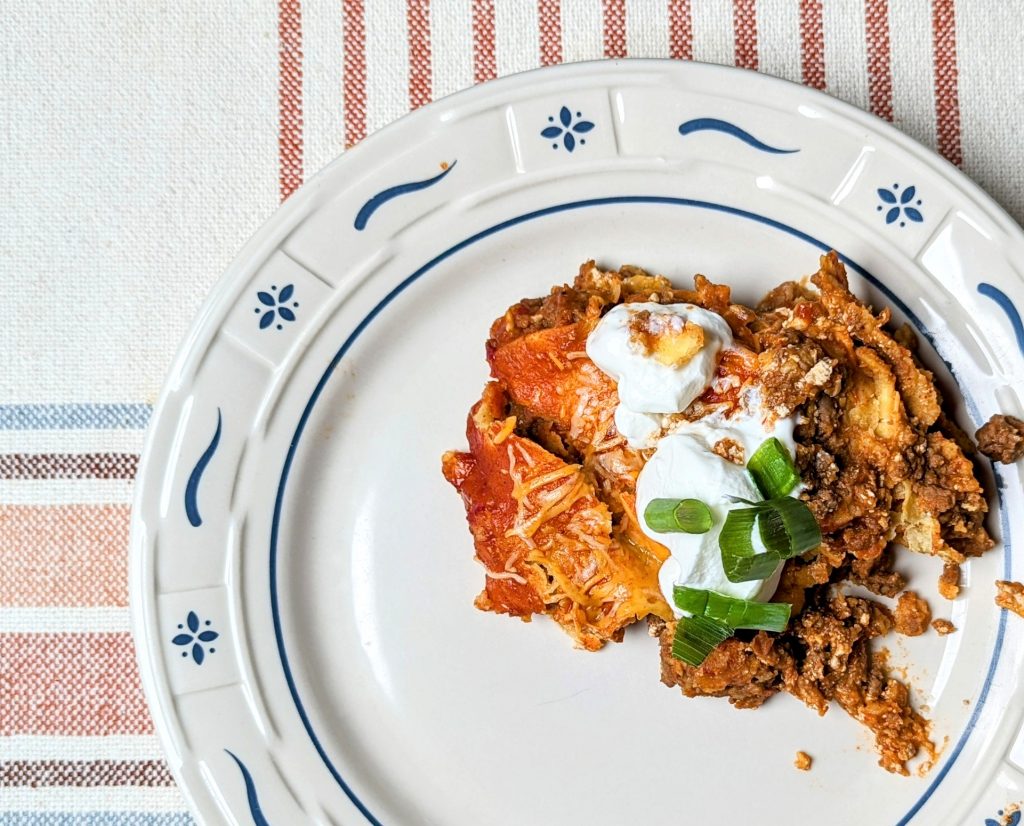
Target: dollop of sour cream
(646, 385)
(685, 463)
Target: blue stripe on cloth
(96, 819)
(74, 416)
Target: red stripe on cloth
(680, 30)
(289, 96)
(876, 23)
(43, 773)
(354, 71)
(812, 44)
(744, 32)
(68, 465)
(614, 17)
(947, 93)
(66, 555)
(417, 15)
(418, 22)
(549, 18)
(485, 66)
(72, 685)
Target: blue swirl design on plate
(1012, 819)
(192, 487)
(566, 130)
(381, 198)
(194, 638)
(716, 125)
(901, 204)
(250, 793)
(1003, 300)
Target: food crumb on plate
(1002, 439)
(949, 581)
(803, 761)
(1008, 816)
(943, 627)
(912, 614)
(1010, 595)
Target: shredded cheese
(592, 541)
(524, 454)
(556, 361)
(560, 501)
(594, 580)
(507, 427)
(501, 574)
(523, 489)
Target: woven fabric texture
(143, 143)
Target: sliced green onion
(773, 469)
(739, 559)
(731, 611)
(678, 516)
(694, 516)
(786, 526)
(692, 600)
(696, 637)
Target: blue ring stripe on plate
(499, 227)
(74, 416)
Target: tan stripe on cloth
(68, 465)
(70, 684)
(63, 555)
(947, 94)
(41, 773)
(744, 25)
(289, 94)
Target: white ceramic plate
(303, 577)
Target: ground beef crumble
(877, 575)
(943, 627)
(823, 657)
(912, 615)
(949, 581)
(1002, 439)
(730, 450)
(1010, 595)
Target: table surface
(144, 143)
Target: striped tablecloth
(142, 143)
